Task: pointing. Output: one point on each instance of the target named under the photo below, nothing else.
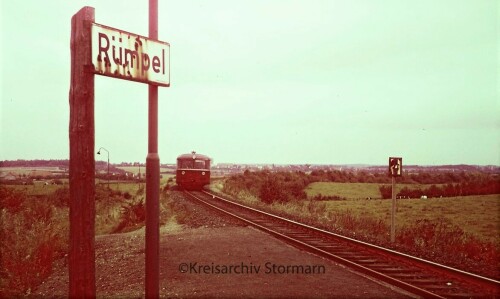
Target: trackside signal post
(99, 49)
(395, 170)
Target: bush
(471, 186)
(283, 186)
(34, 234)
(11, 200)
(133, 214)
(272, 191)
(385, 191)
(411, 193)
(269, 186)
(440, 240)
(60, 198)
(320, 197)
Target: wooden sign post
(81, 159)
(99, 49)
(395, 170)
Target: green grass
(458, 231)
(37, 189)
(28, 170)
(165, 177)
(353, 190)
(135, 169)
(345, 190)
(130, 187)
(40, 189)
(478, 215)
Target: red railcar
(193, 171)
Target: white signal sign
(395, 166)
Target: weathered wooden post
(81, 161)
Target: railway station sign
(129, 56)
(101, 50)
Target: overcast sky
(269, 81)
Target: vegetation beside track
(34, 228)
(35, 232)
(458, 231)
(34, 225)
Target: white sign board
(129, 56)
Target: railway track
(415, 275)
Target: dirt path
(213, 256)
(120, 268)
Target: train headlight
(183, 172)
(202, 173)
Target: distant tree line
(99, 165)
(380, 177)
(284, 186)
(471, 187)
(35, 163)
(43, 163)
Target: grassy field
(29, 170)
(37, 189)
(135, 169)
(478, 215)
(461, 232)
(345, 190)
(353, 190)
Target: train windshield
(186, 164)
(199, 164)
(193, 164)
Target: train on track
(193, 171)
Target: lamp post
(139, 176)
(99, 152)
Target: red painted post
(393, 211)
(152, 177)
(81, 159)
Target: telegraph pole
(152, 177)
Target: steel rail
(418, 262)
(486, 281)
(360, 268)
